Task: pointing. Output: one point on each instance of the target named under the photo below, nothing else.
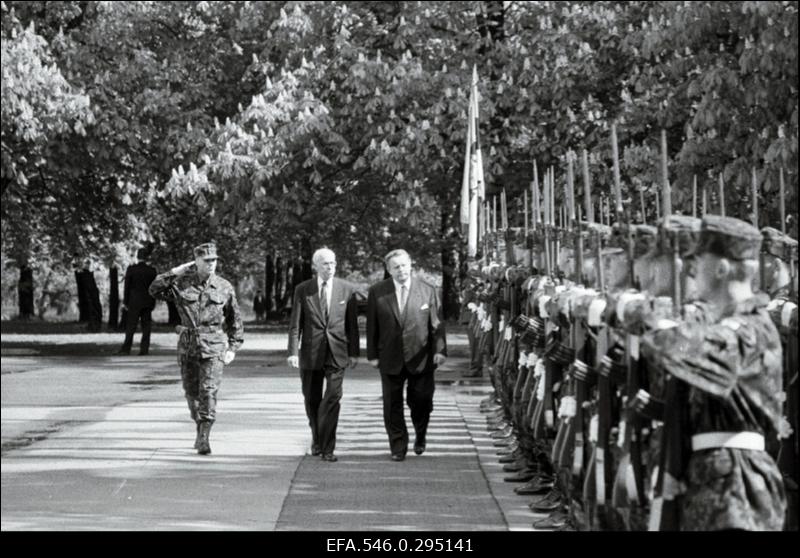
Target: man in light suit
(324, 326)
(406, 342)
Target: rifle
(632, 438)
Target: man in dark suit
(138, 302)
(324, 327)
(406, 342)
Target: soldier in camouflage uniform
(722, 378)
(778, 279)
(469, 317)
(210, 333)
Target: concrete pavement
(104, 443)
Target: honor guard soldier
(722, 379)
(210, 333)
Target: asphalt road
(94, 441)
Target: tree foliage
(282, 126)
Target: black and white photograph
(393, 276)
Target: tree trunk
(269, 280)
(45, 298)
(297, 276)
(83, 307)
(450, 305)
(279, 278)
(306, 254)
(25, 292)
(94, 310)
(113, 298)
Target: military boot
(197, 437)
(204, 448)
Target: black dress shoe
(419, 449)
(522, 476)
(315, 451)
(330, 457)
(537, 485)
(510, 457)
(556, 520)
(547, 504)
(398, 457)
(143, 353)
(515, 466)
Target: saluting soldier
(210, 333)
(723, 377)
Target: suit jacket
(410, 338)
(308, 329)
(138, 278)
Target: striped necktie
(323, 300)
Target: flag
(473, 189)
(465, 182)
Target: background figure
(260, 306)
(137, 304)
(324, 327)
(87, 284)
(469, 296)
(406, 342)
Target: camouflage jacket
(726, 376)
(210, 317)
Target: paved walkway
(114, 451)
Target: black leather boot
(204, 448)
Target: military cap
(686, 228)
(645, 238)
(206, 251)
(515, 234)
(778, 244)
(598, 229)
(728, 237)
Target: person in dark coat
(87, 284)
(138, 303)
(323, 343)
(405, 342)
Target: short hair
(394, 254)
(320, 252)
(141, 254)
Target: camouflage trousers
(201, 380)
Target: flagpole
(754, 186)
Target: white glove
(294, 361)
(181, 269)
(229, 356)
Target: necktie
(403, 298)
(323, 300)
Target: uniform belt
(199, 329)
(738, 440)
